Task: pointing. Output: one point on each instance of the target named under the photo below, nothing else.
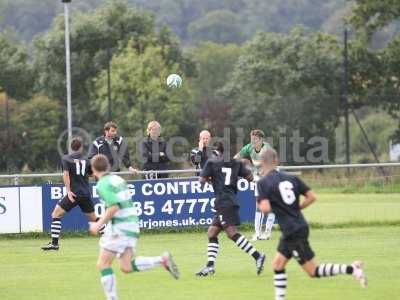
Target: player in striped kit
(122, 231)
(280, 192)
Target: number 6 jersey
(283, 192)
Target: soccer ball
(174, 81)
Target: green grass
(28, 273)
(354, 208)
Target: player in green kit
(252, 152)
(122, 230)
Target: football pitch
(29, 273)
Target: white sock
(270, 222)
(109, 283)
(258, 218)
(141, 263)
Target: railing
(16, 177)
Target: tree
(16, 74)
(287, 83)
(219, 26)
(376, 74)
(372, 15)
(141, 95)
(92, 35)
(215, 64)
(39, 132)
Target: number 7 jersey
(283, 192)
(224, 176)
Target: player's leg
(280, 278)
(258, 221)
(328, 270)
(230, 219)
(129, 264)
(268, 226)
(108, 279)
(304, 255)
(212, 248)
(62, 207)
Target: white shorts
(117, 243)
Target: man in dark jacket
(154, 151)
(199, 156)
(114, 147)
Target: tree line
(283, 82)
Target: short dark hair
(100, 163)
(258, 132)
(76, 143)
(219, 146)
(110, 125)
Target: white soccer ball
(174, 81)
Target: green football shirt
(249, 152)
(113, 190)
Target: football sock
(108, 281)
(245, 245)
(326, 270)
(212, 251)
(280, 284)
(55, 230)
(258, 220)
(270, 222)
(140, 264)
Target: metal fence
(15, 178)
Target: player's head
(269, 159)
(100, 165)
(76, 144)
(218, 148)
(154, 129)
(110, 130)
(205, 137)
(257, 138)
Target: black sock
(55, 230)
(327, 270)
(245, 245)
(212, 251)
(280, 284)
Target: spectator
(198, 156)
(113, 147)
(153, 150)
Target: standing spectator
(198, 156)
(113, 147)
(153, 150)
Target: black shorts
(297, 246)
(226, 216)
(84, 202)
